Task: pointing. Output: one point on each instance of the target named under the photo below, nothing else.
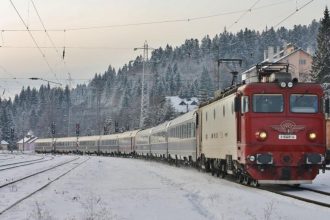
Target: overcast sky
(89, 51)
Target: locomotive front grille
(265, 158)
(285, 173)
(314, 159)
(287, 159)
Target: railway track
(6, 158)
(26, 161)
(323, 198)
(39, 188)
(25, 164)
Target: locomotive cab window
(303, 103)
(263, 103)
(245, 104)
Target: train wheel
(254, 183)
(240, 178)
(223, 170)
(246, 180)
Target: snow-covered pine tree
(205, 87)
(321, 60)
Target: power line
(33, 39)
(23, 78)
(4, 80)
(50, 39)
(290, 15)
(67, 47)
(157, 22)
(43, 25)
(244, 13)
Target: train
(271, 130)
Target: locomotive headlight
(312, 136)
(290, 84)
(283, 84)
(252, 158)
(261, 135)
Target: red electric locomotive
(271, 131)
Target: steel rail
(34, 174)
(4, 165)
(43, 187)
(297, 197)
(25, 164)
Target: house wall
(300, 65)
(3, 147)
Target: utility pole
(77, 134)
(145, 86)
(69, 113)
(53, 131)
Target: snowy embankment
(119, 188)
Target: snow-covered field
(121, 188)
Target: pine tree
(169, 111)
(205, 88)
(321, 60)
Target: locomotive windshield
(268, 103)
(303, 103)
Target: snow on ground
(14, 158)
(122, 188)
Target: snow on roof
(145, 132)
(159, 128)
(27, 140)
(33, 139)
(180, 105)
(183, 118)
(4, 142)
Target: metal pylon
(145, 86)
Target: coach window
(214, 114)
(245, 104)
(194, 129)
(224, 111)
(206, 116)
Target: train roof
(183, 118)
(144, 132)
(109, 137)
(89, 138)
(161, 127)
(44, 140)
(271, 87)
(127, 134)
(66, 139)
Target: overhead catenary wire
(48, 36)
(4, 80)
(197, 18)
(290, 15)
(68, 47)
(243, 14)
(44, 27)
(33, 39)
(155, 22)
(43, 79)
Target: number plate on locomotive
(287, 137)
